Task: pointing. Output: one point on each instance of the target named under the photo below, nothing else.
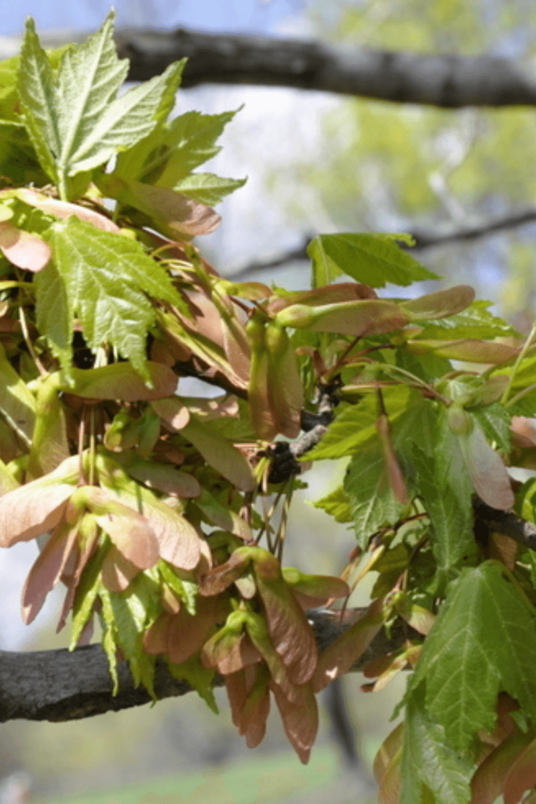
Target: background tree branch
(444, 80)
(58, 685)
(425, 237)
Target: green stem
(521, 355)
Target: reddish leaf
(256, 710)
(357, 318)
(117, 571)
(179, 542)
(394, 473)
(173, 411)
(221, 577)
(121, 381)
(440, 304)
(258, 632)
(504, 550)
(129, 531)
(206, 318)
(229, 652)
(187, 634)
(312, 591)
(467, 349)
(220, 454)
(489, 780)
(47, 570)
(285, 390)
(523, 431)
(23, 249)
(416, 616)
(177, 216)
(249, 700)
(338, 659)
(300, 718)
(328, 294)
(522, 774)
(84, 548)
(32, 509)
(164, 478)
(487, 470)
(63, 209)
(290, 632)
(391, 746)
(155, 639)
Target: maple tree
(165, 516)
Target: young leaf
(47, 570)
(120, 381)
(441, 304)
(206, 188)
(173, 214)
(23, 249)
(339, 657)
(373, 259)
(448, 504)
(74, 118)
(372, 501)
(220, 453)
(488, 783)
(105, 277)
(355, 427)
(483, 640)
(428, 759)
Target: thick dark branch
(58, 686)
(440, 80)
(506, 522)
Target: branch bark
(58, 686)
(443, 80)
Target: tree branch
(448, 81)
(58, 686)
(425, 237)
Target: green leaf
(74, 117)
(494, 420)
(428, 760)
(373, 259)
(474, 322)
(450, 510)
(220, 453)
(373, 503)
(105, 277)
(134, 610)
(170, 153)
(17, 403)
(200, 678)
(171, 213)
(337, 504)
(483, 641)
(356, 425)
(18, 160)
(206, 188)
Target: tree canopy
(165, 515)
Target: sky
(263, 137)
(244, 16)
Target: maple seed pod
(297, 315)
(459, 420)
(276, 338)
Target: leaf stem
(521, 355)
(24, 327)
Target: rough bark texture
(443, 80)
(57, 685)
